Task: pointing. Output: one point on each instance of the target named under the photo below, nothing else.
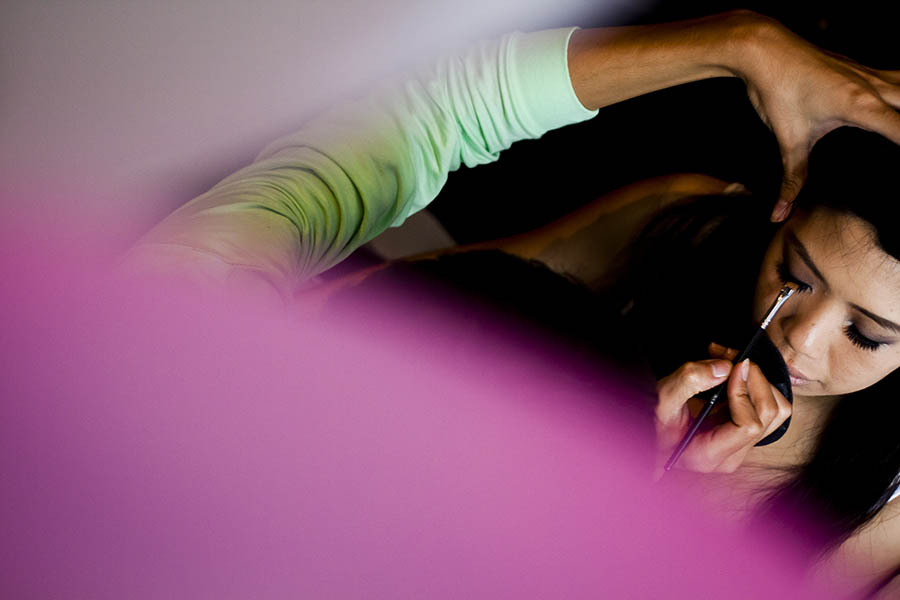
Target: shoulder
(586, 242)
(871, 556)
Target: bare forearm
(800, 92)
(613, 64)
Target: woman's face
(841, 332)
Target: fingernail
(745, 369)
(781, 211)
(716, 347)
(735, 189)
(720, 369)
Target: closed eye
(850, 329)
(786, 276)
(859, 339)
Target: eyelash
(859, 339)
(852, 333)
(786, 276)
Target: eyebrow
(804, 254)
(806, 258)
(880, 320)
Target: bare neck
(810, 414)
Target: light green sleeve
(313, 197)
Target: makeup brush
(786, 292)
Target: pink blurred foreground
(158, 447)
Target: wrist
(610, 65)
(747, 41)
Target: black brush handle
(686, 439)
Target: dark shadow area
(707, 127)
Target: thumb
(740, 402)
(796, 162)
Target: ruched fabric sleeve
(312, 197)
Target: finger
(882, 119)
(890, 93)
(885, 84)
(795, 162)
(720, 351)
(722, 449)
(728, 444)
(889, 76)
(763, 400)
(744, 413)
(731, 463)
(688, 381)
(757, 410)
(784, 412)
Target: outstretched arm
(313, 197)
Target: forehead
(844, 248)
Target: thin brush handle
(686, 439)
(786, 292)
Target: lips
(798, 378)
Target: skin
(810, 333)
(845, 274)
(839, 334)
(845, 279)
(799, 91)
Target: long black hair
(690, 281)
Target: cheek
(884, 365)
(850, 370)
(836, 365)
(845, 374)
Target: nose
(807, 327)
